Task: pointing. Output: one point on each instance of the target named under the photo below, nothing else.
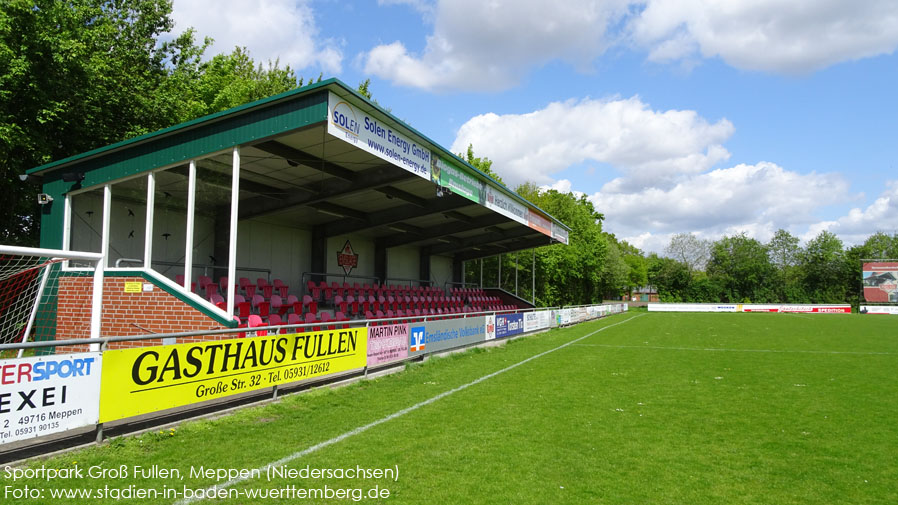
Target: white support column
(151, 212)
(232, 243)
(533, 280)
(516, 255)
(67, 225)
(96, 311)
(188, 240)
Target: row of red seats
(207, 287)
(325, 320)
(243, 308)
(324, 291)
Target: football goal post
(25, 273)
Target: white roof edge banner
(505, 205)
(350, 124)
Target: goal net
(28, 278)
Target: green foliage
(80, 74)
(363, 88)
(616, 271)
(670, 277)
(483, 164)
(740, 265)
(74, 75)
(824, 268)
(565, 274)
(226, 81)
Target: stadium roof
(306, 161)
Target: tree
(881, 245)
(785, 252)
(569, 274)
(74, 75)
(363, 88)
(483, 164)
(741, 266)
(224, 82)
(80, 74)
(638, 275)
(615, 272)
(670, 277)
(689, 250)
(825, 271)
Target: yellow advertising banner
(148, 379)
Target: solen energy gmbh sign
(349, 123)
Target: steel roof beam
(446, 230)
(519, 245)
(485, 240)
(367, 180)
(401, 213)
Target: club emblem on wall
(347, 258)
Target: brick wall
(124, 314)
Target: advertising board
(879, 309)
(48, 394)
(387, 343)
(749, 307)
(460, 180)
(509, 324)
(537, 320)
(539, 222)
(149, 379)
(435, 336)
(505, 205)
(880, 281)
(351, 124)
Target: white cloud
(270, 29)
(784, 36)
(650, 147)
(669, 179)
(490, 45)
(858, 224)
(755, 199)
(562, 186)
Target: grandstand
(312, 206)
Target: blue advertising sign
(509, 324)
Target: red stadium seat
(309, 305)
(281, 287)
(311, 318)
(264, 287)
(275, 320)
(261, 306)
(254, 321)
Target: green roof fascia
(177, 293)
(501, 187)
(182, 126)
(201, 140)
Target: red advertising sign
(881, 282)
(539, 223)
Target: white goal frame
(55, 254)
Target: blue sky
(693, 116)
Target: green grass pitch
(658, 409)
